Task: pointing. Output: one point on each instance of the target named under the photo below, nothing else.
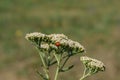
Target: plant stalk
(57, 72)
(85, 75)
(58, 58)
(44, 64)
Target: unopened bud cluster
(55, 42)
(92, 64)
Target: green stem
(84, 74)
(58, 58)
(65, 62)
(57, 72)
(44, 64)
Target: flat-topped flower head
(35, 37)
(68, 44)
(93, 64)
(97, 64)
(59, 40)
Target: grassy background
(95, 24)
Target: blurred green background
(93, 23)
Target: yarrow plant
(57, 49)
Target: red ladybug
(57, 44)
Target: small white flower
(44, 46)
(57, 37)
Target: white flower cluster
(66, 42)
(55, 41)
(93, 64)
(57, 37)
(34, 35)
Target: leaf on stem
(66, 69)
